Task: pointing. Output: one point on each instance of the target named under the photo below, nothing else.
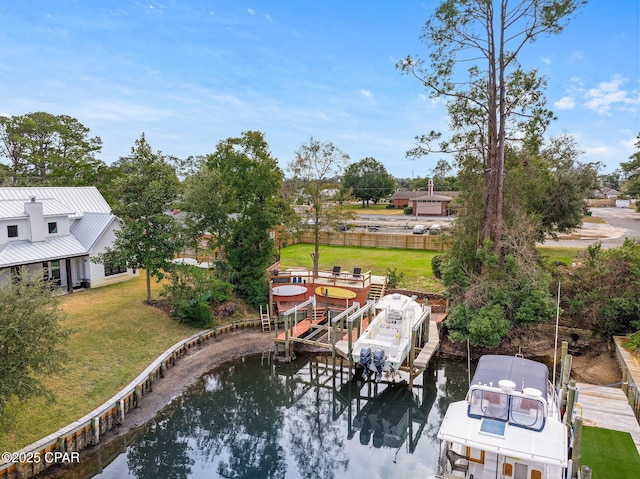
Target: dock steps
(266, 321)
(377, 291)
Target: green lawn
(115, 337)
(610, 454)
(565, 255)
(379, 209)
(415, 264)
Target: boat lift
(339, 333)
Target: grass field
(372, 209)
(416, 265)
(115, 337)
(610, 454)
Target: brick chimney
(36, 220)
(430, 187)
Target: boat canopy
(525, 373)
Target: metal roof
(79, 199)
(89, 229)
(16, 253)
(50, 207)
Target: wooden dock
(429, 349)
(608, 408)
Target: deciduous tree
(235, 196)
(631, 169)
(315, 167)
(369, 181)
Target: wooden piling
(570, 402)
(577, 446)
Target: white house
(53, 233)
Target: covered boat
(509, 425)
(385, 343)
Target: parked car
(419, 229)
(435, 229)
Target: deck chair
(458, 461)
(357, 272)
(336, 270)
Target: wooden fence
(65, 444)
(377, 240)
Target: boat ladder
(266, 322)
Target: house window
(12, 231)
(111, 270)
(56, 277)
(53, 227)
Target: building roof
(90, 228)
(78, 199)
(15, 208)
(432, 197)
(406, 195)
(88, 211)
(16, 253)
(411, 195)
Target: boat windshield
(489, 404)
(513, 408)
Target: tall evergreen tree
(49, 150)
(498, 101)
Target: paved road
(620, 223)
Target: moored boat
(509, 425)
(385, 343)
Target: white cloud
(596, 150)
(607, 94)
(250, 11)
(577, 55)
(366, 93)
(565, 103)
(546, 60)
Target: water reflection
(251, 419)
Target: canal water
(253, 419)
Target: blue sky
(191, 73)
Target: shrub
(394, 277)
(192, 292)
(408, 210)
(632, 343)
(436, 265)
